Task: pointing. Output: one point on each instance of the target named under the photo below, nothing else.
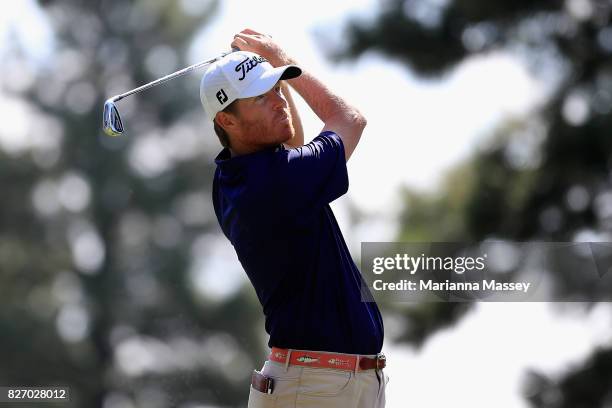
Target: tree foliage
(545, 177)
(100, 237)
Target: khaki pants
(309, 387)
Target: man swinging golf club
(271, 195)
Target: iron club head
(112, 124)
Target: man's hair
(221, 133)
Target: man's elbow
(359, 120)
(362, 121)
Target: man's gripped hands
(262, 44)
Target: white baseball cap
(238, 75)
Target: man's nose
(279, 101)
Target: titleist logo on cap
(248, 64)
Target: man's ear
(227, 121)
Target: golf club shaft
(166, 78)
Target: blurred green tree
(545, 178)
(101, 238)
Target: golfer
(271, 194)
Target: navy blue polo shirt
(273, 206)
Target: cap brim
(265, 82)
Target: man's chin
(288, 134)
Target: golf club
(111, 120)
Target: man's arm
(298, 139)
(336, 114)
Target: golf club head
(112, 124)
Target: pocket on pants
(258, 399)
(323, 382)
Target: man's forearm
(337, 114)
(298, 139)
(323, 102)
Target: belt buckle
(380, 357)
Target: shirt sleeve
(311, 176)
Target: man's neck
(243, 150)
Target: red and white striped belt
(320, 359)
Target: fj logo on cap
(221, 96)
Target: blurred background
(486, 120)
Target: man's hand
(262, 44)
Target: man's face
(264, 120)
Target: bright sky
(416, 130)
(482, 362)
